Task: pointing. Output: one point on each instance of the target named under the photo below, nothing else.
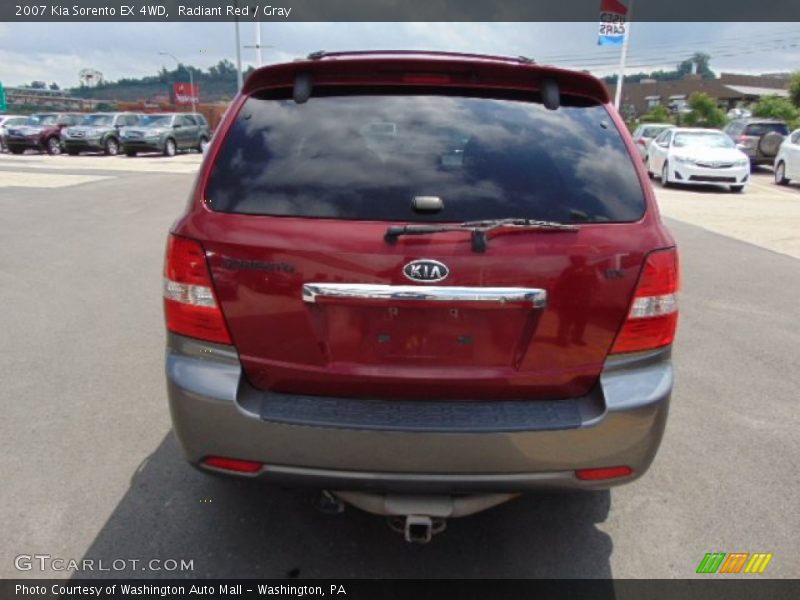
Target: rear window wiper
(479, 229)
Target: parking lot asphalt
(91, 469)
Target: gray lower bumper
(446, 447)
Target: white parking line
(187, 163)
(45, 180)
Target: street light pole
(191, 77)
(239, 82)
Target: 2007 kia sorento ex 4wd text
(425, 282)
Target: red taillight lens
(603, 473)
(641, 142)
(232, 464)
(190, 307)
(653, 315)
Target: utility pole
(258, 46)
(239, 82)
(623, 57)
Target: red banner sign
(186, 94)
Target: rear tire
(169, 147)
(780, 174)
(53, 146)
(665, 175)
(736, 189)
(111, 147)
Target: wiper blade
(527, 223)
(479, 229)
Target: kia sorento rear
(423, 282)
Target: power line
(675, 51)
(669, 60)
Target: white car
(787, 161)
(8, 121)
(698, 157)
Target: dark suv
(167, 133)
(40, 132)
(98, 132)
(413, 280)
(759, 139)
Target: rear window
(652, 132)
(368, 156)
(759, 129)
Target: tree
(682, 69)
(705, 112)
(658, 115)
(54, 86)
(775, 107)
(701, 59)
(794, 88)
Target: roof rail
(320, 54)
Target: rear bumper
(431, 447)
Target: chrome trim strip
(536, 297)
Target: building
(29, 98)
(728, 89)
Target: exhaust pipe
(328, 503)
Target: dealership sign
(186, 93)
(613, 22)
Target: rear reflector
(189, 305)
(653, 315)
(232, 464)
(602, 473)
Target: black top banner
(416, 589)
(394, 10)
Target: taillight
(603, 473)
(190, 307)
(653, 315)
(232, 464)
(641, 142)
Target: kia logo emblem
(426, 270)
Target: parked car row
(713, 157)
(108, 132)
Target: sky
(56, 52)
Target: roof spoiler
(305, 76)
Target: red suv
(424, 282)
(41, 132)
